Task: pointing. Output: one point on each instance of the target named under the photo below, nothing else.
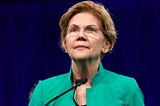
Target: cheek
(68, 42)
(98, 43)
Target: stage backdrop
(30, 51)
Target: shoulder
(48, 88)
(54, 82)
(51, 84)
(120, 81)
(117, 78)
(127, 86)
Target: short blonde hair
(97, 9)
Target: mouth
(80, 47)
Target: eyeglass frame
(89, 30)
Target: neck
(84, 69)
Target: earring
(104, 50)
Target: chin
(81, 58)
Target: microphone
(78, 83)
(81, 81)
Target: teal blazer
(108, 89)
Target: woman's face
(84, 39)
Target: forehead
(84, 19)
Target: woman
(87, 34)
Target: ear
(106, 47)
(64, 46)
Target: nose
(81, 32)
(81, 36)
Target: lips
(80, 47)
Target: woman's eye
(91, 29)
(73, 29)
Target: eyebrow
(82, 25)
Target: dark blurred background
(30, 51)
